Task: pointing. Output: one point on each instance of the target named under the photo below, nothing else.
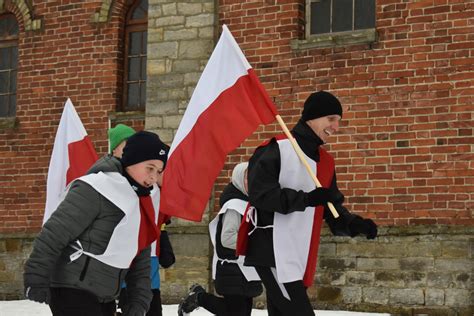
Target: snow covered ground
(29, 308)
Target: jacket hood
(107, 163)
(231, 192)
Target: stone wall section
(181, 37)
(406, 271)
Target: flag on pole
(73, 154)
(227, 106)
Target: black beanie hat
(320, 104)
(143, 146)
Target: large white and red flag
(73, 154)
(227, 106)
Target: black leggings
(155, 306)
(73, 302)
(277, 303)
(229, 305)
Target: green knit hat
(118, 134)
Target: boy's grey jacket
(87, 216)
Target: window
(8, 64)
(330, 16)
(135, 57)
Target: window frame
(136, 25)
(344, 38)
(11, 41)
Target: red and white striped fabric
(227, 106)
(73, 154)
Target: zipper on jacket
(117, 292)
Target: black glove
(167, 257)
(40, 294)
(363, 226)
(320, 196)
(133, 310)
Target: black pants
(73, 302)
(277, 303)
(229, 305)
(155, 306)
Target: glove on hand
(320, 196)
(40, 294)
(133, 310)
(363, 226)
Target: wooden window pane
(14, 57)
(138, 14)
(135, 57)
(342, 15)
(364, 12)
(133, 95)
(4, 86)
(8, 27)
(135, 44)
(12, 105)
(140, 11)
(143, 94)
(14, 27)
(143, 72)
(3, 27)
(144, 42)
(134, 69)
(8, 64)
(4, 108)
(12, 81)
(4, 58)
(320, 17)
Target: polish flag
(227, 106)
(73, 154)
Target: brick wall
(404, 151)
(69, 56)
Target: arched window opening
(135, 57)
(8, 64)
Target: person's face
(146, 173)
(325, 126)
(118, 151)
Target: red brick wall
(404, 154)
(69, 57)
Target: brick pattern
(404, 151)
(69, 57)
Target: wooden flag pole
(299, 152)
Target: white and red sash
(296, 235)
(240, 206)
(123, 244)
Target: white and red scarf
(135, 231)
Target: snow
(28, 308)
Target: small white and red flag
(227, 106)
(73, 154)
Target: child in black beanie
(100, 236)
